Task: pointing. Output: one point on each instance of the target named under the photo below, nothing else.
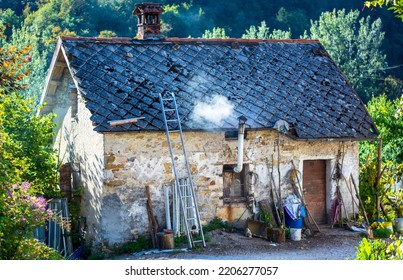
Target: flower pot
(276, 235)
(398, 224)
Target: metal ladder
(183, 177)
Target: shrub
(380, 249)
(214, 224)
(20, 214)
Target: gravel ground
(328, 244)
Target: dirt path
(329, 244)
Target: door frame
(330, 162)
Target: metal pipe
(167, 212)
(241, 133)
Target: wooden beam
(61, 64)
(56, 83)
(125, 121)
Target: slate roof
(291, 80)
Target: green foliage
(12, 61)
(265, 217)
(217, 32)
(185, 20)
(32, 249)
(107, 34)
(263, 32)
(380, 249)
(296, 19)
(355, 44)
(382, 232)
(390, 125)
(396, 5)
(40, 23)
(20, 214)
(35, 62)
(384, 112)
(26, 152)
(368, 191)
(141, 243)
(394, 202)
(214, 224)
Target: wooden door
(314, 185)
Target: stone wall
(135, 160)
(115, 169)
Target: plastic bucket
(291, 223)
(295, 234)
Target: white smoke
(213, 111)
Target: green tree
(355, 44)
(296, 19)
(107, 34)
(12, 61)
(36, 62)
(26, 153)
(217, 32)
(263, 32)
(185, 20)
(26, 149)
(385, 114)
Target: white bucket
(295, 234)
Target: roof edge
(49, 74)
(188, 40)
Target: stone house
(95, 81)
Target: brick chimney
(149, 20)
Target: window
(232, 135)
(235, 185)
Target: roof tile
(264, 80)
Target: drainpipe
(241, 132)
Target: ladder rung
(197, 241)
(170, 110)
(169, 131)
(172, 120)
(167, 99)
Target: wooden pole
(378, 178)
(151, 218)
(298, 190)
(125, 121)
(359, 199)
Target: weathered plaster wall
(134, 160)
(80, 146)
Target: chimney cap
(147, 7)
